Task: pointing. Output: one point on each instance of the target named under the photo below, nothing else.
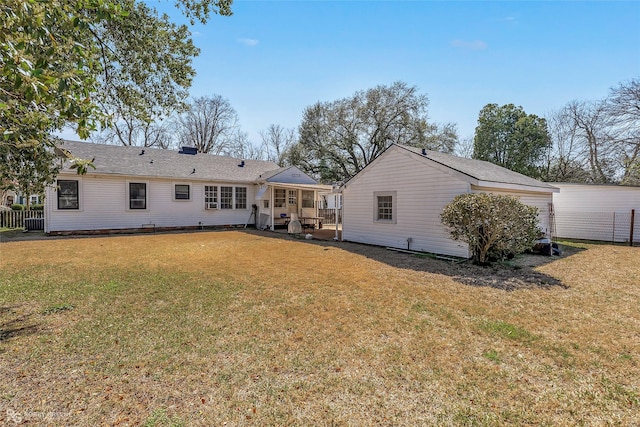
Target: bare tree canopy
(277, 142)
(597, 141)
(210, 125)
(338, 139)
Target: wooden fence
(19, 219)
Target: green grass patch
(492, 355)
(507, 330)
(57, 309)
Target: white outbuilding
(396, 200)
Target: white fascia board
(515, 187)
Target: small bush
(36, 207)
(494, 226)
(17, 207)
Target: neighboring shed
(135, 188)
(397, 199)
(597, 212)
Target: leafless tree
(276, 143)
(623, 108)
(210, 124)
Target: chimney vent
(424, 151)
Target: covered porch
(279, 203)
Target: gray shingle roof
(480, 169)
(129, 161)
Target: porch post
(271, 203)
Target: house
(397, 199)
(597, 212)
(134, 188)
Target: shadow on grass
(519, 273)
(14, 325)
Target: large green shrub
(494, 226)
(17, 207)
(37, 207)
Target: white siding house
(597, 212)
(397, 199)
(133, 188)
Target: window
(34, 199)
(307, 199)
(265, 203)
(385, 206)
(68, 195)
(293, 196)
(280, 198)
(241, 198)
(182, 192)
(137, 195)
(210, 194)
(226, 197)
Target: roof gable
(289, 175)
(476, 172)
(480, 172)
(153, 162)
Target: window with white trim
(280, 198)
(210, 196)
(307, 199)
(241, 198)
(385, 206)
(226, 197)
(293, 197)
(68, 194)
(137, 195)
(182, 192)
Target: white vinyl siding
(596, 212)
(537, 200)
(101, 200)
(422, 192)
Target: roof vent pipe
(141, 153)
(241, 165)
(424, 151)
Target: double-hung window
(182, 192)
(385, 206)
(68, 197)
(307, 199)
(210, 197)
(280, 198)
(226, 197)
(241, 198)
(137, 195)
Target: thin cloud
(469, 45)
(248, 42)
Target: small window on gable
(182, 192)
(68, 197)
(385, 206)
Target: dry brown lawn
(254, 329)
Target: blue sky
(272, 59)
